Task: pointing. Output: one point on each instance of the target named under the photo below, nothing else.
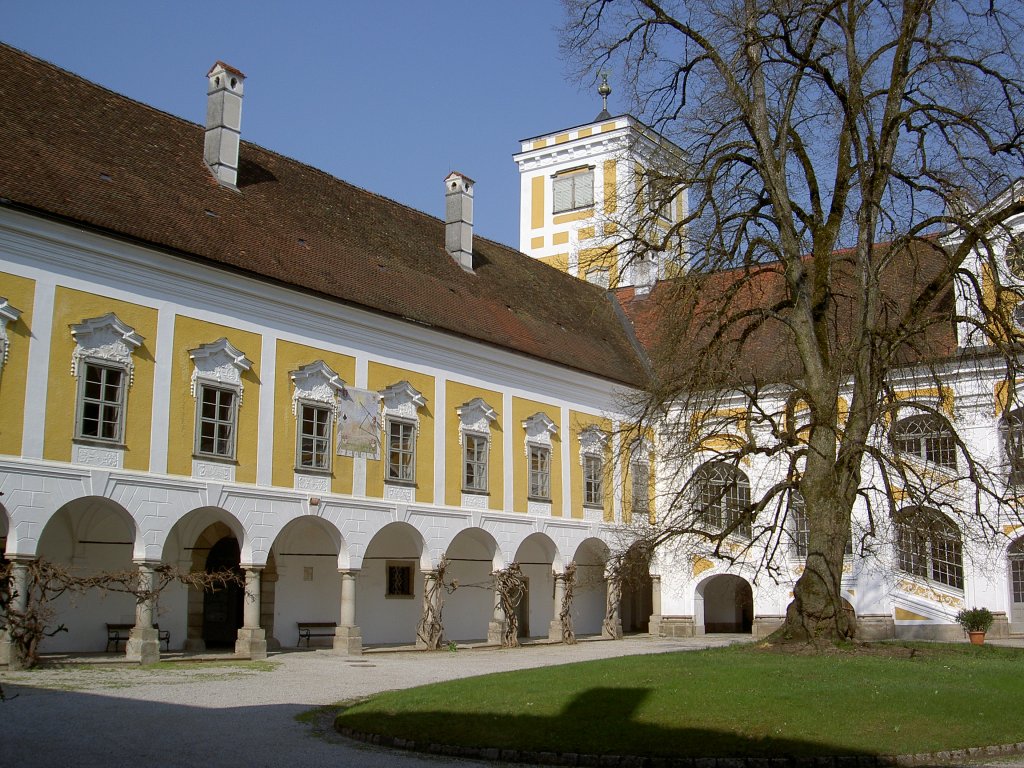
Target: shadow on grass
(599, 721)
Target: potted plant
(976, 622)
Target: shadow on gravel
(600, 721)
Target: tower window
(573, 190)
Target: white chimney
(223, 121)
(458, 219)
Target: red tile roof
(704, 329)
(77, 151)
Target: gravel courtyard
(89, 714)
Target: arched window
(1013, 439)
(722, 495)
(928, 437)
(802, 529)
(928, 545)
(1016, 556)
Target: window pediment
(316, 382)
(104, 338)
(402, 400)
(593, 442)
(475, 416)
(8, 314)
(219, 362)
(539, 429)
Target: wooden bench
(118, 633)
(308, 629)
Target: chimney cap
(460, 175)
(226, 68)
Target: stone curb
(944, 757)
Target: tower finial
(604, 90)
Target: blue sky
(387, 95)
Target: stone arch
(637, 589)
(389, 587)
(189, 544)
(88, 535)
(588, 605)
(724, 603)
(472, 556)
(537, 556)
(301, 581)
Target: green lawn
(738, 701)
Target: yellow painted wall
(607, 127)
(561, 138)
(584, 132)
(456, 395)
(600, 258)
(577, 423)
(537, 202)
(585, 233)
(291, 357)
(611, 189)
(20, 293)
(190, 333)
(560, 238)
(537, 242)
(523, 409)
(71, 307)
(558, 261)
(565, 218)
(380, 377)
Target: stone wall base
(875, 626)
(348, 641)
(251, 642)
(1000, 626)
(765, 625)
(947, 633)
(495, 631)
(610, 630)
(676, 626)
(555, 631)
(143, 645)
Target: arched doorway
(637, 590)
(536, 557)
(472, 556)
(222, 608)
(728, 605)
(1015, 555)
(590, 591)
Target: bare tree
(834, 148)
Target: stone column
(496, 626)
(654, 628)
(555, 629)
(143, 643)
(348, 641)
(252, 640)
(19, 602)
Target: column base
(348, 641)
(611, 630)
(9, 654)
(251, 642)
(677, 626)
(495, 632)
(654, 625)
(555, 631)
(143, 645)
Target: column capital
(252, 566)
(146, 563)
(349, 571)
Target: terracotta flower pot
(978, 638)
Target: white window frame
(929, 546)
(722, 493)
(219, 366)
(390, 476)
(536, 489)
(928, 437)
(572, 190)
(202, 388)
(476, 456)
(8, 314)
(593, 480)
(84, 400)
(640, 487)
(321, 444)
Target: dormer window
(102, 363)
(573, 189)
(217, 388)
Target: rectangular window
(314, 448)
(216, 415)
(540, 472)
(593, 473)
(660, 197)
(474, 464)
(641, 489)
(573, 190)
(401, 452)
(101, 403)
(399, 579)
